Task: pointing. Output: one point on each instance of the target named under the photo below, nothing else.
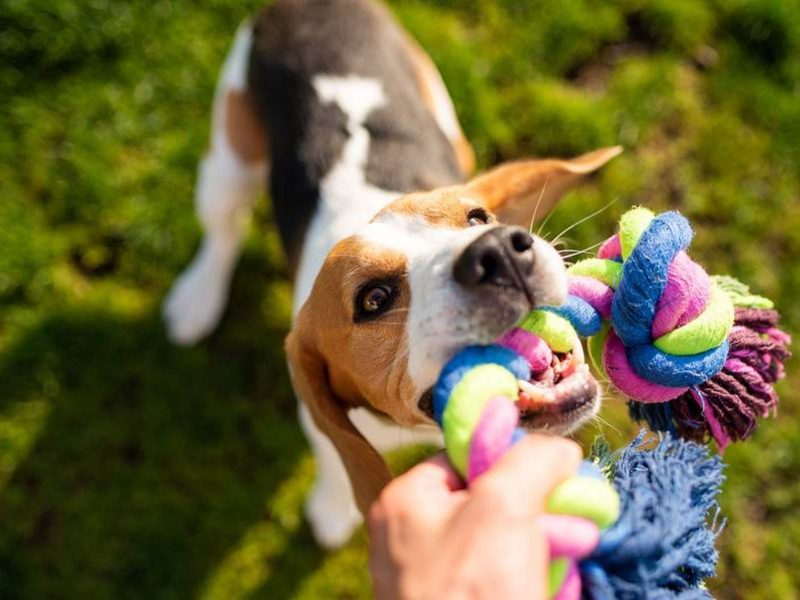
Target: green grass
(133, 469)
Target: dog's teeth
(534, 395)
(577, 349)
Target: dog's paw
(196, 301)
(333, 518)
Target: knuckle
(393, 498)
(571, 451)
(497, 499)
(491, 489)
(560, 451)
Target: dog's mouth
(558, 398)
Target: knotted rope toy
(697, 355)
(644, 536)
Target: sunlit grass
(133, 469)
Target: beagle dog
(398, 258)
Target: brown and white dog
(397, 261)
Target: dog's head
(431, 273)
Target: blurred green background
(133, 469)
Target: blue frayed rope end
(662, 546)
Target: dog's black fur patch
(295, 40)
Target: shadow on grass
(150, 461)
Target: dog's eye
(373, 300)
(477, 216)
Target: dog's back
(321, 72)
(344, 111)
(333, 103)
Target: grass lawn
(133, 469)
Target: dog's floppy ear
(512, 190)
(366, 468)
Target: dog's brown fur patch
(244, 128)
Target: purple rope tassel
(727, 406)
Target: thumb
(523, 478)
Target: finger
(574, 537)
(419, 495)
(524, 477)
(435, 474)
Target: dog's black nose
(503, 256)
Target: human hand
(432, 538)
